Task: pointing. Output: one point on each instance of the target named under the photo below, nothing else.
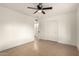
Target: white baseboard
(12, 44)
(63, 42)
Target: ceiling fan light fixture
(39, 11)
(40, 8)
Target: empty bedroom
(39, 29)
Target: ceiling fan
(40, 8)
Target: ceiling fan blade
(47, 8)
(35, 11)
(31, 8)
(43, 12)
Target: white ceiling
(58, 8)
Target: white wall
(67, 28)
(60, 28)
(15, 28)
(78, 28)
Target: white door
(49, 30)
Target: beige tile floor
(46, 48)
